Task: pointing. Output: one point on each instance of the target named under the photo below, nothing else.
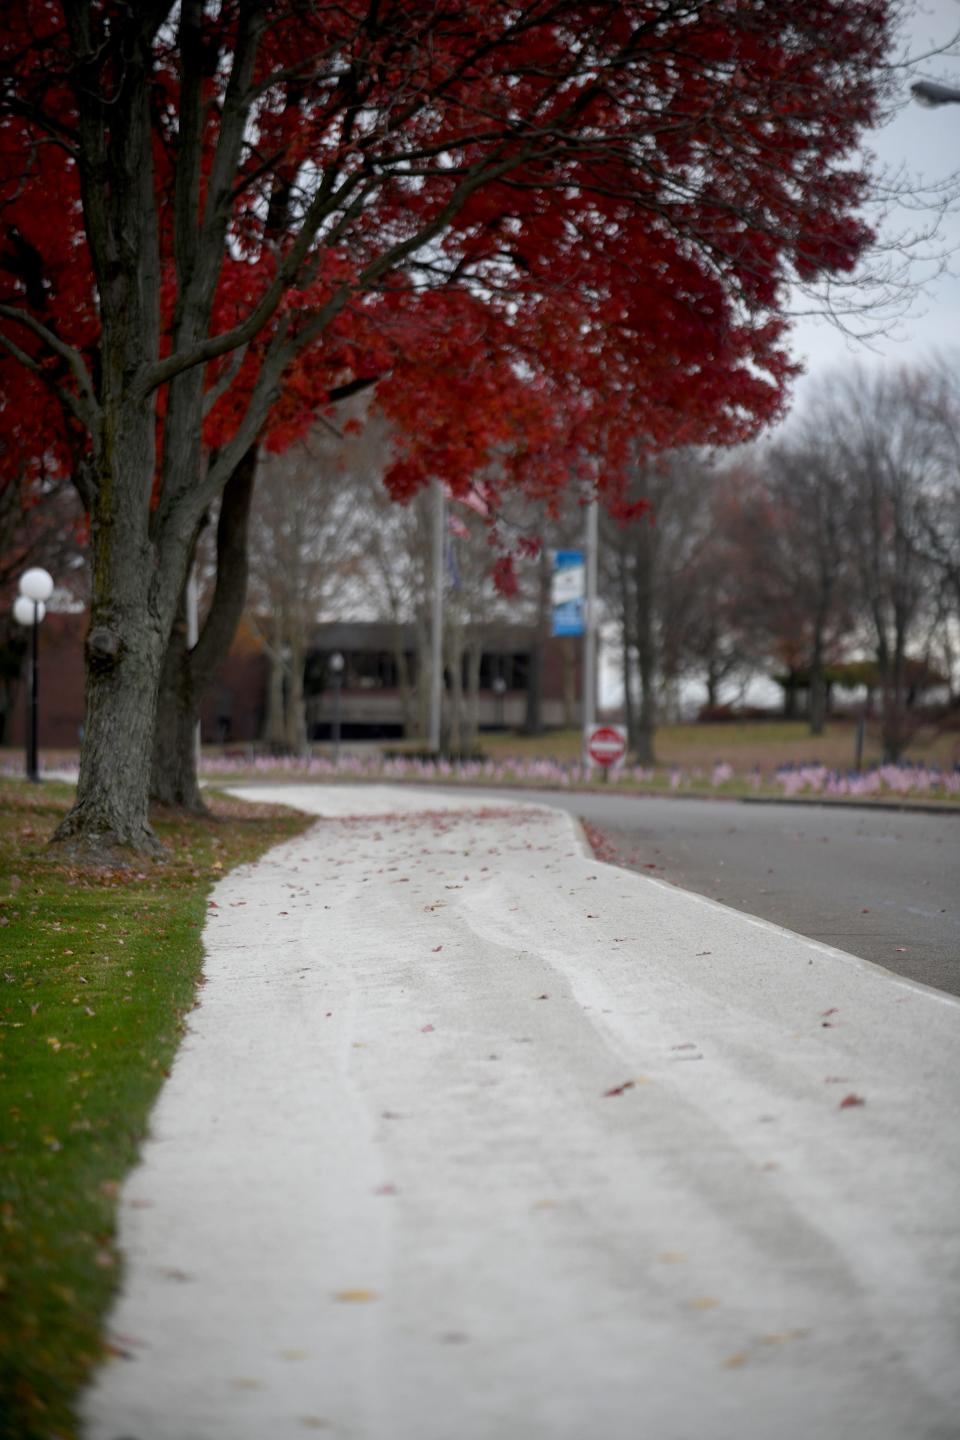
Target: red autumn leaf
(849, 1101)
(619, 1089)
(425, 1029)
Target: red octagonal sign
(606, 744)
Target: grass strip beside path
(97, 970)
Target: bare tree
(786, 518)
(654, 576)
(884, 456)
(305, 537)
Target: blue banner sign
(567, 592)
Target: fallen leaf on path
(831, 1011)
(425, 1029)
(627, 1085)
(849, 1101)
(704, 1302)
(735, 1362)
(356, 1297)
(436, 948)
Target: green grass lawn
(744, 744)
(98, 969)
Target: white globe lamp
(36, 584)
(28, 612)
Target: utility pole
(590, 620)
(436, 636)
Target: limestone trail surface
(475, 1137)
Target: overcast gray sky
(925, 143)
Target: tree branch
(67, 353)
(230, 593)
(66, 398)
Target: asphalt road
(879, 884)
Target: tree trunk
(174, 781)
(790, 696)
(296, 715)
(132, 608)
(186, 674)
(825, 587)
(570, 683)
(474, 650)
(646, 648)
(275, 730)
(424, 674)
(407, 696)
(455, 666)
(647, 666)
(894, 710)
(626, 648)
(818, 685)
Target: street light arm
(928, 92)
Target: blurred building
(379, 680)
(378, 687)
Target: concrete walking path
(475, 1138)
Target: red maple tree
(604, 203)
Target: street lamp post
(29, 608)
(336, 663)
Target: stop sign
(606, 744)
